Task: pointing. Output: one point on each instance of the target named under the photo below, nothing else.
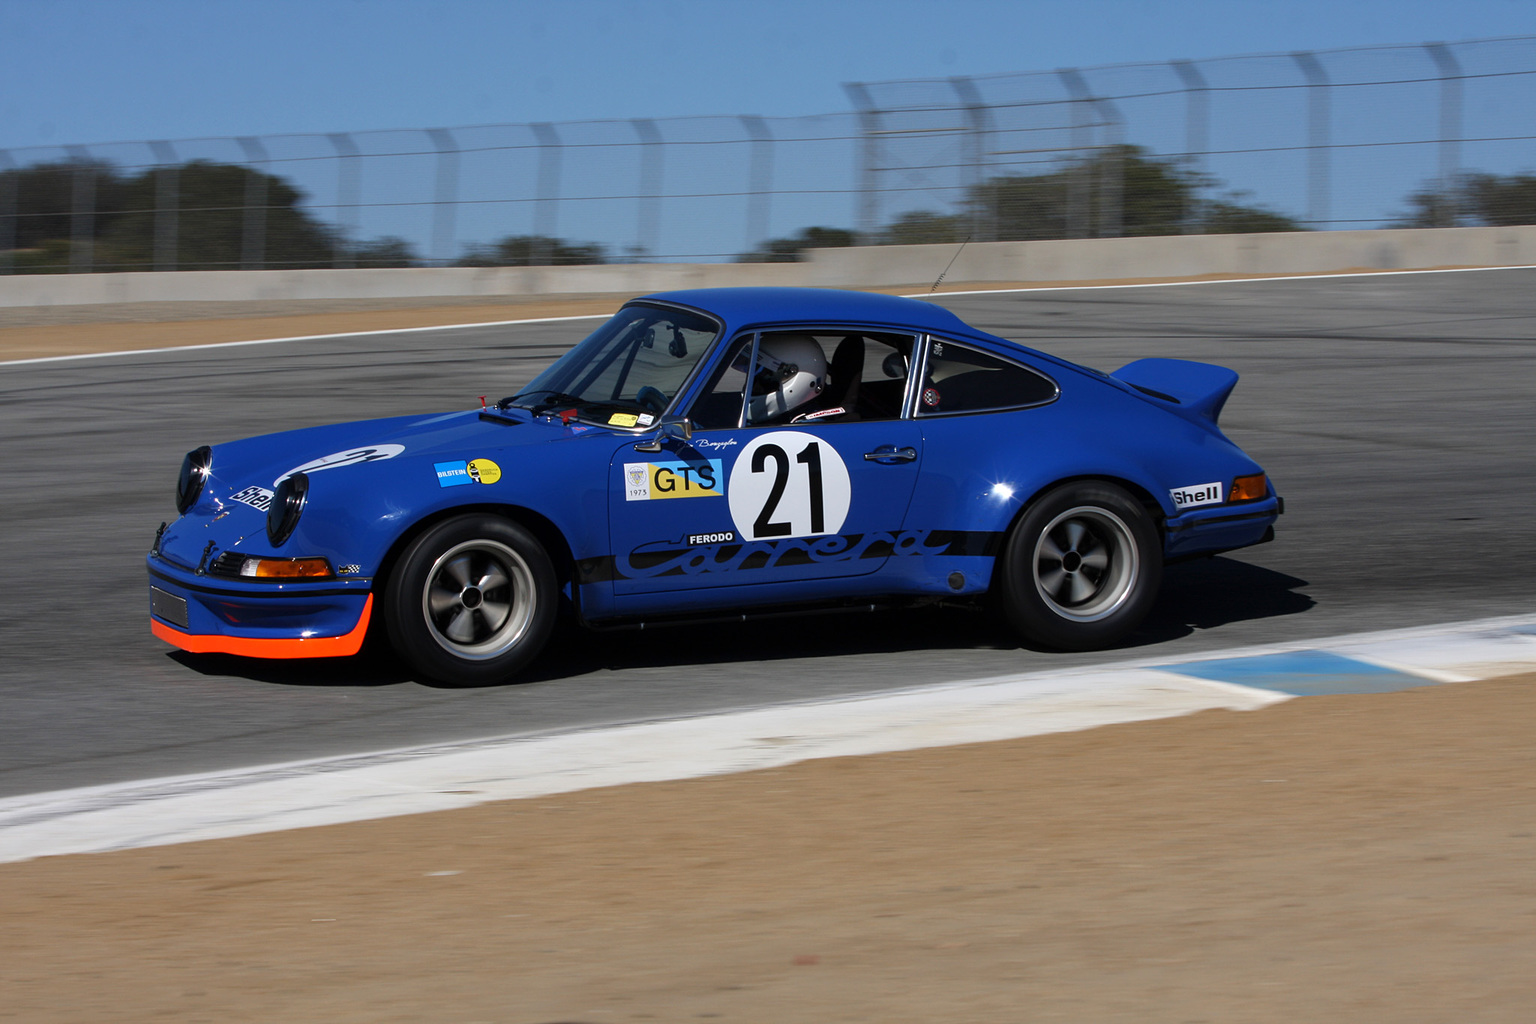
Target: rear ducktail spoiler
(1197, 388)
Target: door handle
(889, 453)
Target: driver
(791, 373)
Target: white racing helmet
(792, 370)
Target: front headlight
(287, 505)
(194, 474)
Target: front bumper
(293, 619)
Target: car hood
(264, 461)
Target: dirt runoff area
(1352, 858)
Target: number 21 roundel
(788, 484)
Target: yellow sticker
(623, 419)
(484, 471)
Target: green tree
(1474, 199)
(1156, 197)
(44, 200)
(211, 222)
(791, 249)
(389, 251)
(209, 227)
(533, 251)
(924, 228)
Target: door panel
(761, 505)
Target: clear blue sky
(98, 71)
(83, 71)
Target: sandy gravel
(1356, 858)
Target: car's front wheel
(472, 600)
(1081, 568)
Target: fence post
(1450, 131)
(349, 186)
(253, 249)
(546, 208)
(869, 161)
(167, 204)
(759, 180)
(1317, 137)
(1110, 222)
(648, 227)
(82, 216)
(1196, 132)
(446, 203)
(9, 182)
(983, 218)
(1081, 182)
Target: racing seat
(844, 371)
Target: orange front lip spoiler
(299, 647)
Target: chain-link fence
(1330, 139)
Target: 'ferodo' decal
(350, 457)
(788, 484)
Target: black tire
(471, 601)
(1081, 568)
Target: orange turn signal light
(285, 568)
(1249, 488)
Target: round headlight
(194, 473)
(287, 505)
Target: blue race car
(717, 451)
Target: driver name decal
(648, 481)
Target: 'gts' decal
(647, 481)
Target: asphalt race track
(1397, 415)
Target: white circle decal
(787, 483)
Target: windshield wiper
(552, 399)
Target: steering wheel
(652, 399)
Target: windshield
(632, 365)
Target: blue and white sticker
(1195, 495)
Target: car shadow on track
(1213, 592)
(1205, 594)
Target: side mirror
(673, 428)
(680, 428)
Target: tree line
(41, 230)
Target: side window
(808, 376)
(961, 379)
(718, 407)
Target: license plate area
(169, 607)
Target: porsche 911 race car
(717, 452)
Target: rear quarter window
(958, 379)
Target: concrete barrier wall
(1086, 259)
(1094, 259)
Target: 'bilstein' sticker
(459, 474)
(646, 481)
(1196, 495)
(258, 498)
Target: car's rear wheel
(1081, 568)
(472, 600)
